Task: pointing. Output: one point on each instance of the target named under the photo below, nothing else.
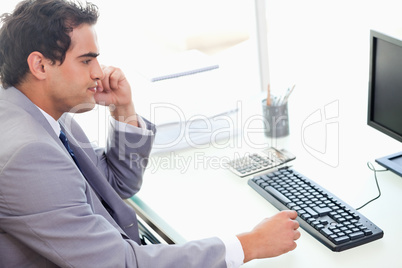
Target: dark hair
(39, 25)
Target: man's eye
(86, 61)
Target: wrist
(124, 113)
(246, 241)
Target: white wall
(321, 46)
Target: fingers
(295, 224)
(114, 89)
(291, 213)
(113, 76)
(293, 227)
(297, 235)
(99, 87)
(106, 79)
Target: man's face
(71, 86)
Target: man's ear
(36, 62)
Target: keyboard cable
(371, 167)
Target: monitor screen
(385, 85)
(385, 93)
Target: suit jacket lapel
(89, 173)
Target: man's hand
(272, 237)
(115, 91)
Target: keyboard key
(311, 212)
(319, 226)
(283, 199)
(322, 211)
(326, 232)
(367, 232)
(356, 235)
(305, 216)
(325, 222)
(341, 239)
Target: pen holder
(276, 120)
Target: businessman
(60, 199)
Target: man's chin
(83, 107)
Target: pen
(279, 101)
(269, 96)
(285, 100)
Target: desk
(193, 196)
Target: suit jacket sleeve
(125, 158)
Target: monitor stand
(392, 162)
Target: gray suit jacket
(53, 214)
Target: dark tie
(64, 140)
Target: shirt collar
(53, 123)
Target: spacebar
(281, 198)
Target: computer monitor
(385, 93)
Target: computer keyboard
(324, 216)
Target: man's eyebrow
(89, 54)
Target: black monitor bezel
(374, 36)
(392, 162)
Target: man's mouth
(93, 89)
